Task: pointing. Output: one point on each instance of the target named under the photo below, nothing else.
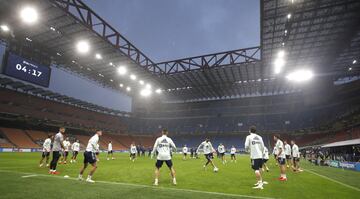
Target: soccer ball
(216, 170)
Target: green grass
(121, 178)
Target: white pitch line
(145, 186)
(29, 176)
(332, 180)
(13, 168)
(186, 190)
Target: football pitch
(20, 177)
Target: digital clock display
(27, 70)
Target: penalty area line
(139, 185)
(332, 180)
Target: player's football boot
(258, 187)
(90, 181)
(282, 179)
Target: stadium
(84, 113)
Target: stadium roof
(321, 35)
(64, 23)
(342, 143)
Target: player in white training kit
(208, 152)
(163, 145)
(110, 151)
(287, 153)
(265, 159)
(65, 151)
(232, 154)
(133, 152)
(296, 157)
(221, 150)
(46, 151)
(255, 145)
(185, 152)
(280, 157)
(75, 147)
(90, 157)
(67, 145)
(57, 146)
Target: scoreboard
(27, 70)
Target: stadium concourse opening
(85, 113)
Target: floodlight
(300, 75)
(278, 65)
(121, 85)
(133, 77)
(141, 82)
(148, 86)
(289, 16)
(98, 56)
(128, 89)
(145, 92)
(158, 91)
(29, 15)
(83, 47)
(354, 62)
(4, 27)
(281, 54)
(121, 70)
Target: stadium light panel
(111, 64)
(354, 62)
(128, 89)
(98, 56)
(148, 86)
(5, 28)
(122, 70)
(133, 77)
(29, 15)
(121, 85)
(83, 47)
(350, 69)
(145, 92)
(301, 75)
(141, 82)
(289, 16)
